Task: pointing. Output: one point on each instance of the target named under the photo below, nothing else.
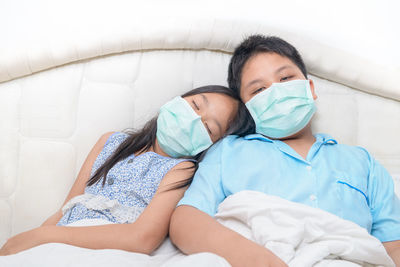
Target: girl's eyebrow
(205, 99)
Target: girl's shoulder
(115, 137)
(112, 140)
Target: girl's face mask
(180, 131)
(283, 109)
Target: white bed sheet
(300, 235)
(62, 255)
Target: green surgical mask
(283, 109)
(180, 131)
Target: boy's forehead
(268, 60)
(266, 65)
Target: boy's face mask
(283, 109)
(180, 131)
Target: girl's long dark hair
(142, 140)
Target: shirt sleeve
(384, 204)
(206, 192)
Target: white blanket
(301, 235)
(62, 255)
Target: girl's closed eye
(195, 105)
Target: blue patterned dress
(130, 186)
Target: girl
(133, 181)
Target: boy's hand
(194, 231)
(267, 261)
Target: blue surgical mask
(180, 131)
(283, 109)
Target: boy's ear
(312, 89)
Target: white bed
(70, 71)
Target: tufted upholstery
(58, 95)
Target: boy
(284, 159)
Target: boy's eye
(286, 78)
(258, 90)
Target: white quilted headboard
(64, 84)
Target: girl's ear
(312, 89)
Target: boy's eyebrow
(253, 82)
(277, 71)
(282, 68)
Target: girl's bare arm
(84, 174)
(144, 235)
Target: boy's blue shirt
(344, 180)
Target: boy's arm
(384, 205)
(393, 249)
(385, 209)
(194, 231)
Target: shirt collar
(325, 139)
(257, 137)
(321, 138)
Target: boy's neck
(301, 142)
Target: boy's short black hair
(260, 44)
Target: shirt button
(130, 161)
(309, 167)
(110, 181)
(313, 197)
